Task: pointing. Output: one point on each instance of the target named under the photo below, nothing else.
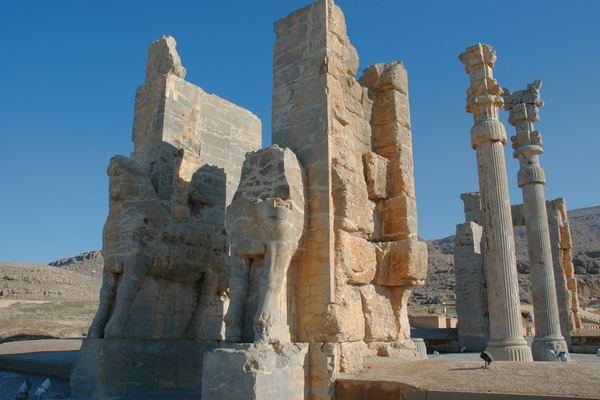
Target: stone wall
(361, 255)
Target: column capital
(484, 94)
(523, 107)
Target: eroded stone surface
(257, 371)
(523, 107)
(164, 243)
(353, 139)
(488, 137)
(265, 222)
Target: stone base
(516, 350)
(120, 367)
(256, 371)
(421, 348)
(540, 347)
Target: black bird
(487, 358)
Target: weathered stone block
(353, 212)
(376, 174)
(381, 323)
(356, 257)
(401, 263)
(389, 76)
(398, 216)
(255, 371)
(344, 319)
(120, 367)
(351, 356)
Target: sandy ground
(55, 318)
(576, 378)
(8, 303)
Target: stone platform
(48, 357)
(150, 365)
(459, 379)
(259, 371)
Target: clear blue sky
(69, 70)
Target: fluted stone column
(488, 138)
(523, 106)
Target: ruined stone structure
(564, 272)
(471, 285)
(281, 283)
(361, 254)
(488, 138)
(523, 107)
(165, 275)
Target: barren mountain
(42, 282)
(585, 235)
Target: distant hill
(88, 263)
(585, 235)
(42, 282)
(81, 275)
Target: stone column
(488, 138)
(523, 106)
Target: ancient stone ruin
(274, 269)
(471, 285)
(485, 264)
(488, 138)
(164, 291)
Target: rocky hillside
(585, 234)
(42, 282)
(89, 263)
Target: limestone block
(355, 256)
(389, 136)
(376, 173)
(398, 217)
(401, 263)
(343, 320)
(401, 181)
(163, 59)
(381, 323)
(257, 371)
(353, 212)
(122, 367)
(351, 356)
(421, 347)
(324, 368)
(385, 77)
(391, 106)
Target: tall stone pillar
(523, 106)
(488, 137)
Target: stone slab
(255, 371)
(121, 367)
